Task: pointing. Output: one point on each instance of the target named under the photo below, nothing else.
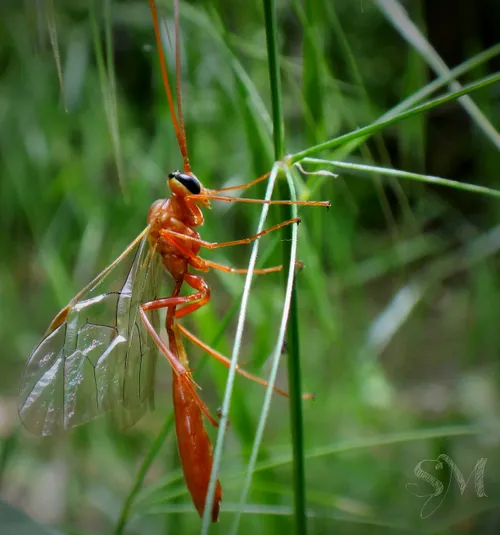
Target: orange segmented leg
(227, 363)
(198, 283)
(166, 302)
(194, 259)
(224, 198)
(227, 269)
(242, 186)
(201, 298)
(263, 271)
(215, 245)
(203, 264)
(177, 346)
(179, 369)
(171, 332)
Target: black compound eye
(191, 183)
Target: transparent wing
(97, 356)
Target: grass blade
(401, 21)
(370, 129)
(105, 68)
(141, 474)
(51, 24)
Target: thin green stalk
(296, 417)
(463, 68)
(106, 71)
(419, 96)
(141, 474)
(7, 451)
(51, 24)
(274, 78)
(370, 129)
(428, 179)
(312, 70)
(293, 343)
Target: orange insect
(99, 353)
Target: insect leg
(225, 198)
(201, 298)
(167, 302)
(214, 245)
(242, 186)
(198, 283)
(263, 271)
(204, 265)
(226, 362)
(179, 369)
(227, 269)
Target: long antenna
(179, 129)
(184, 151)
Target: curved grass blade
(206, 520)
(395, 12)
(275, 360)
(142, 472)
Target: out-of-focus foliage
(398, 298)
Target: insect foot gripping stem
(195, 448)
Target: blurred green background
(398, 300)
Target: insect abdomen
(195, 448)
